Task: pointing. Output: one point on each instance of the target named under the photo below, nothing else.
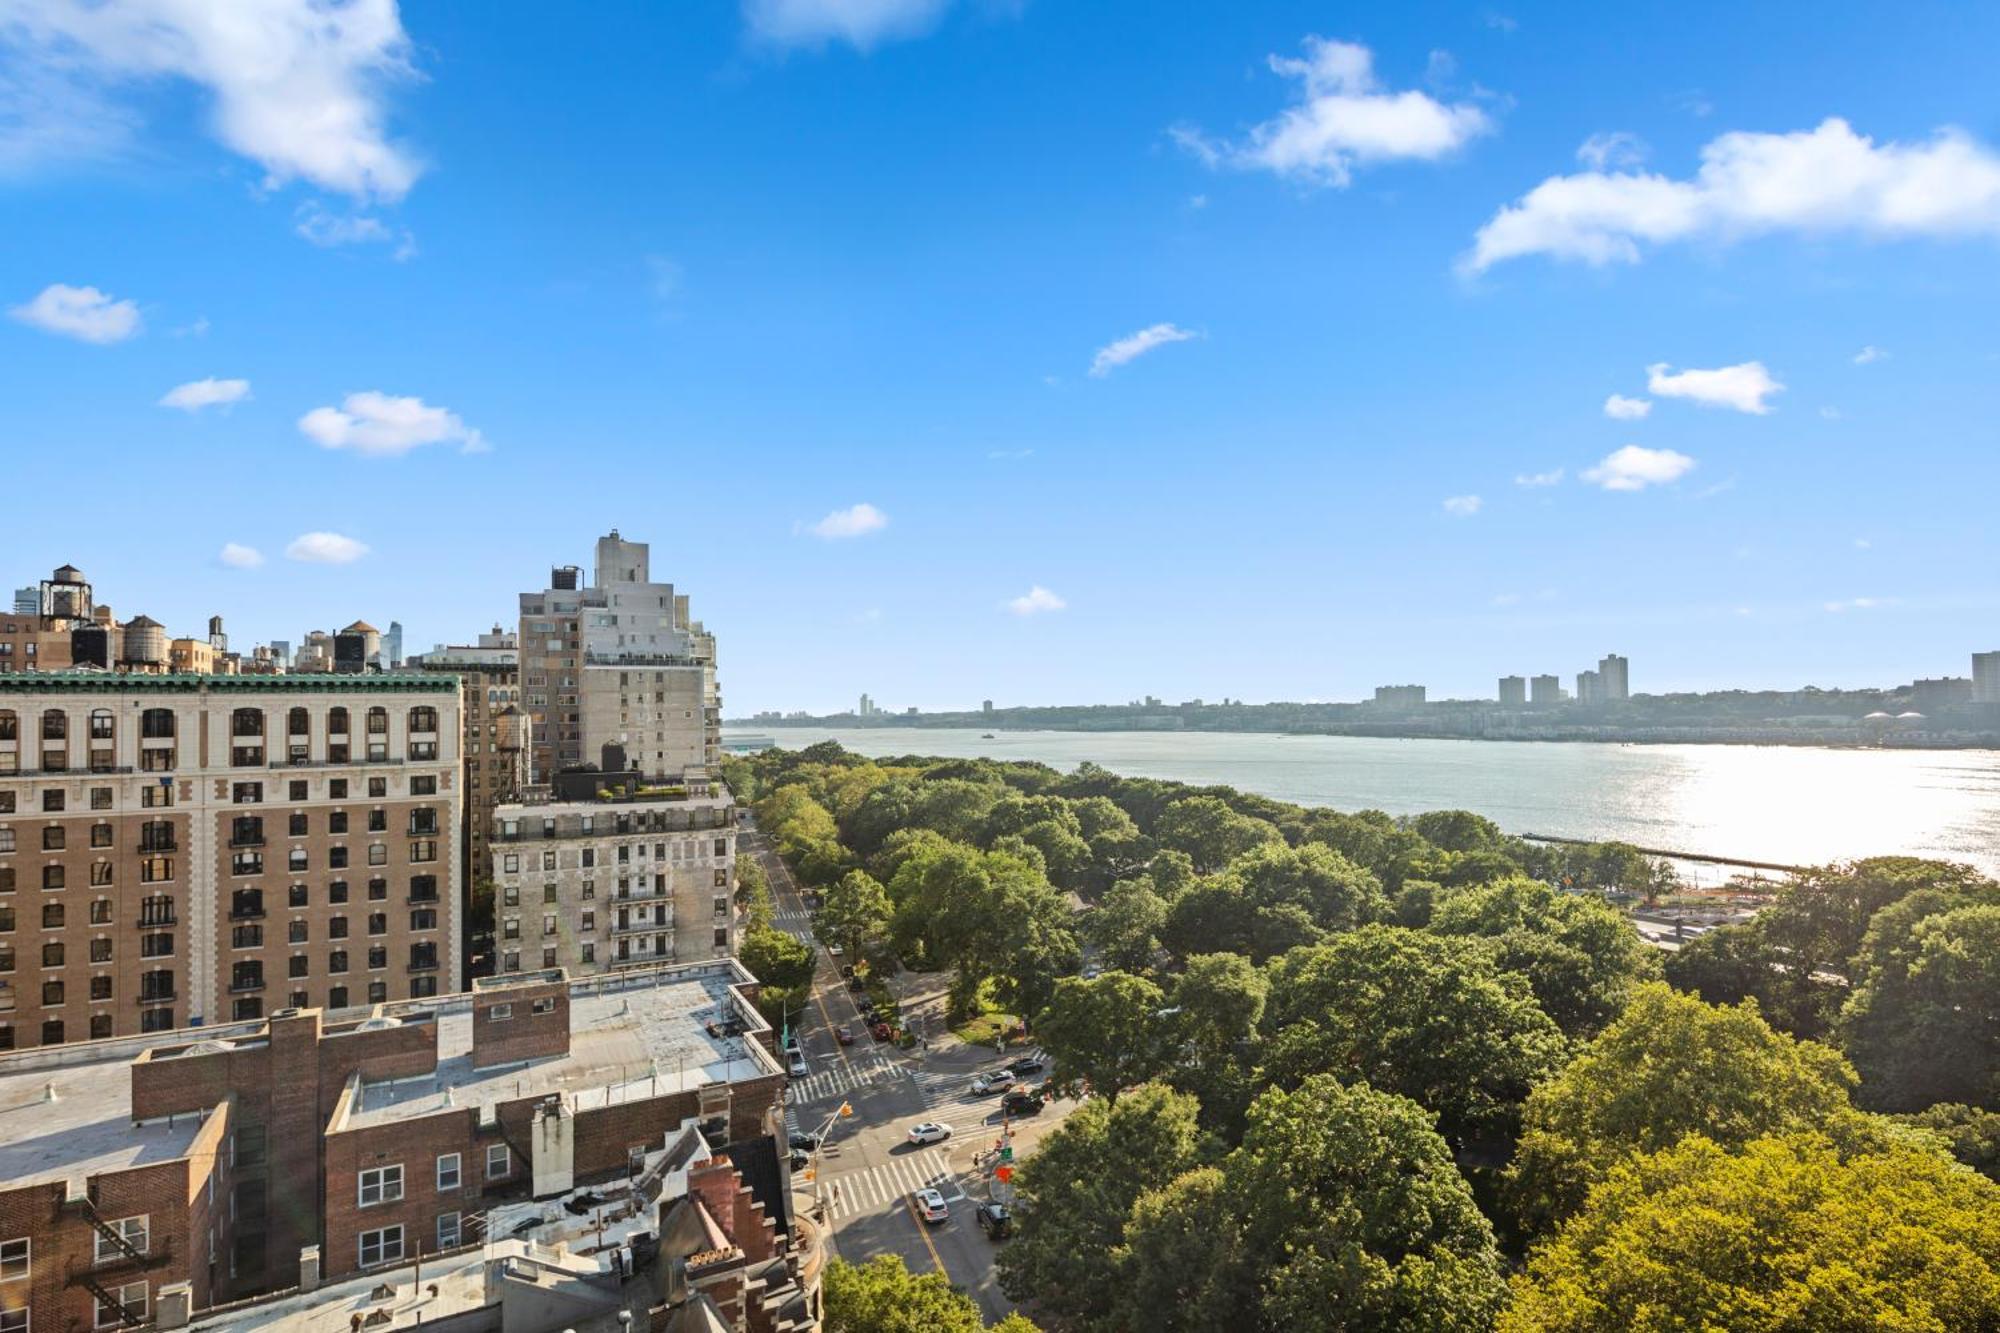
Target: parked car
(882, 1032)
(800, 1160)
(994, 1081)
(930, 1206)
(1027, 1064)
(836, 950)
(844, 1035)
(995, 1220)
(930, 1131)
(796, 1066)
(1091, 971)
(847, 969)
(1020, 1102)
(804, 1142)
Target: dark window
(55, 725)
(298, 789)
(297, 966)
(247, 722)
(336, 962)
(295, 824)
(156, 724)
(336, 788)
(336, 891)
(52, 838)
(336, 724)
(298, 722)
(295, 932)
(336, 822)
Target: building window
(52, 838)
(298, 966)
(381, 1247)
(337, 998)
(447, 1172)
(380, 1184)
(100, 798)
(100, 952)
(589, 953)
(55, 725)
(247, 793)
(447, 1231)
(500, 1013)
(424, 786)
(129, 1306)
(15, 1259)
(134, 1231)
(156, 724)
(378, 992)
(498, 1161)
(156, 870)
(298, 790)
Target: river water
(1788, 804)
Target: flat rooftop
(84, 1129)
(631, 1038)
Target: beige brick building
(180, 849)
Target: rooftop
(75, 1121)
(632, 1036)
(106, 682)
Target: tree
(1971, 1135)
(775, 958)
(1779, 1233)
(1458, 830)
(1924, 1025)
(1341, 1210)
(1335, 893)
(882, 1296)
(1580, 956)
(1064, 852)
(1078, 1188)
(1726, 966)
(1126, 924)
(1107, 1034)
(753, 890)
(1668, 1067)
(855, 911)
(1210, 832)
(1422, 1015)
(1218, 1002)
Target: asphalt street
(867, 1171)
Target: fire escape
(118, 1256)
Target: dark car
(803, 1142)
(881, 1031)
(1021, 1103)
(1028, 1064)
(994, 1220)
(800, 1160)
(847, 969)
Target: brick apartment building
(154, 1177)
(178, 850)
(607, 869)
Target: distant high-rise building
(1615, 674)
(985, 705)
(392, 646)
(1513, 691)
(1399, 696)
(1589, 687)
(28, 601)
(1928, 696)
(1986, 678)
(1545, 690)
(867, 708)
(216, 638)
(281, 649)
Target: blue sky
(498, 278)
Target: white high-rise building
(1986, 678)
(1513, 691)
(1614, 675)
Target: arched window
(10, 725)
(424, 718)
(157, 724)
(336, 721)
(378, 722)
(102, 727)
(298, 722)
(55, 725)
(247, 722)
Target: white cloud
(197, 329)
(1463, 506)
(328, 230)
(1553, 477)
(1815, 182)
(383, 425)
(1035, 601)
(1862, 544)
(1135, 345)
(325, 548)
(862, 24)
(1620, 408)
(297, 86)
(1343, 118)
(1634, 468)
(1869, 355)
(238, 556)
(197, 394)
(1860, 604)
(1615, 148)
(855, 521)
(80, 312)
(1743, 387)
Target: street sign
(1007, 1155)
(1004, 1173)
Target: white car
(930, 1131)
(797, 1066)
(997, 1081)
(930, 1204)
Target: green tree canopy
(1076, 1191)
(1778, 1233)
(883, 1296)
(1580, 956)
(1210, 832)
(1669, 1066)
(1971, 1135)
(1126, 924)
(1923, 1024)
(855, 911)
(1426, 1016)
(1107, 1034)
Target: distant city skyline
(993, 353)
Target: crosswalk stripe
(873, 1188)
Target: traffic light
(1007, 1154)
(847, 1108)
(1003, 1174)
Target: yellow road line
(924, 1233)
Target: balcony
(246, 914)
(151, 919)
(423, 900)
(245, 985)
(642, 926)
(158, 845)
(417, 966)
(246, 840)
(157, 997)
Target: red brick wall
(536, 1025)
(416, 1145)
(63, 1241)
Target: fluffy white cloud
(1743, 387)
(1035, 601)
(1634, 468)
(1463, 506)
(238, 556)
(211, 392)
(1817, 181)
(1869, 355)
(381, 424)
(860, 23)
(80, 312)
(855, 521)
(298, 86)
(1343, 118)
(1553, 477)
(1620, 408)
(325, 548)
(1613, 149)
(1135, 345)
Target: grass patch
(984, 1029)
